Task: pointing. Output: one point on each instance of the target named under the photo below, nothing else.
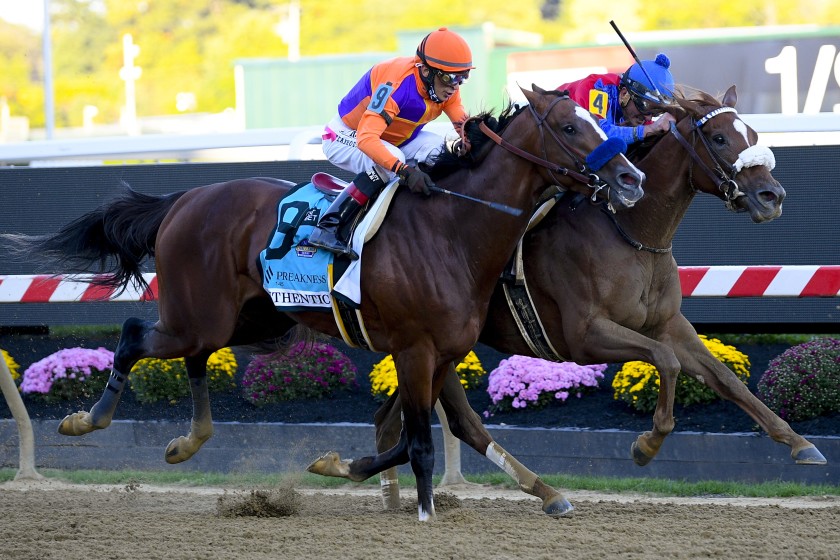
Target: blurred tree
(188, 46)
(21, 83)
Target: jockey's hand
(660, 125)
(418, 182)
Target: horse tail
(112, 240)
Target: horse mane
(447, 162)
(696, 102)
(691, 102)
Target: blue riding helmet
(640, 85)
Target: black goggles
(647, 107)
(452, 79)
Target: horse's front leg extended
(201, 426)
(466, 425)
(606, 341)
(129, 350)
(700, 364)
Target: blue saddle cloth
(294, 272)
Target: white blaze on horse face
(741, 127)
(587, 116)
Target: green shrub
(309, 370)
(637, 383)
(804, 381)
(383, 376)
(153, 379)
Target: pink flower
(520, 381)
(70, 363)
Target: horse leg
(182, 448)
(415, 444)
(388, 422)
(607, 341)
(129, 351)
(388, 419)
(466, 425)
(699, 363)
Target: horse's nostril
(768, 196)
(629, 179)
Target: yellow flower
(154, 379)
(637, 383)
(383, 376)
(13, 365)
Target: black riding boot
(332, 231)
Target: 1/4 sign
(785, 66)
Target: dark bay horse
(609, 291)
(426, 279)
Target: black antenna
(636, 58)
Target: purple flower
(71, 363)
(520, 381)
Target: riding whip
(636, 58)
(494, 205)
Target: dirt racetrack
(45, 521)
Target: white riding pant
(342, 151)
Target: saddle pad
(294, 272)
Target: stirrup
(327, 239)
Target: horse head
(562, 140)
(577, 140)
(723, 147)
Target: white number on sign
(785, 65)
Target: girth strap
(525, 314)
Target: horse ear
(536, 88)
(730, 97)
(529, 95)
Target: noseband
(582, 173)
(725, 180)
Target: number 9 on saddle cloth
(301, 277)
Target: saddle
(328, 184)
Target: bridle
(583, 174)
(725, 180)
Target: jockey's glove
(417, 181)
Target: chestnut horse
(426, 279)
(625, 283)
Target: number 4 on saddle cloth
(302, 277)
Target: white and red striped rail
(696, 281)
(58, 289)
(760, 281)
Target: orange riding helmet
(445, 50)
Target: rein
(725, 183)
(591, 179)
(637, 245)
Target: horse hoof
(178, 451)
(559, 508)
(330, 464)
(639, 456)
(77, 424)
(809, 456)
